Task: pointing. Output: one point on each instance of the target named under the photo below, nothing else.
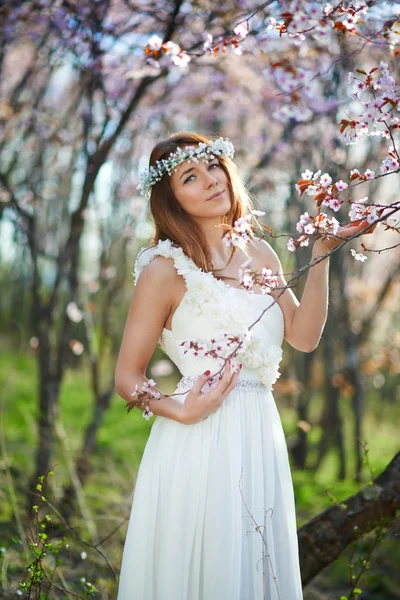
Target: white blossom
(155, 42)
(241, 30)
(325, 180)
(358, 255)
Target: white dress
(213, 514)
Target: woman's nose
(211, 178)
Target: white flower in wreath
(252, 353)
(269, 371)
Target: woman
(213, 515)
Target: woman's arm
(150, 306)
(309, 316)
(305, 320)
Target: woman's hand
(199, 405)
(328, 241)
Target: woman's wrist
(167, 407)
(320, 249)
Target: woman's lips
(217, 196)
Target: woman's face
(195, 184)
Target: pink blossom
(325, 180)
(335, 204)
(155, 43)
(349, 23)
(290, 245)
(269, 282)
(390, 163)
(311, 190)
(357, 210)
(309, 228)
(369, 116)
(147, 385)
(341, 185)
(384, 68)
(333, 225)
(147, 414)
(136, 390)
(304, 219)
(368, 174)
(181, 59)
(307, 175)
(171, 48)
(372, 216)
(304, 240)
(241, 30)
(208, 43)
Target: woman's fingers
(226, 383)
(232, 382)
(360, 224)
(225, 379)
(204, 377)
(349, 230)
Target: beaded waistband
(242, 384)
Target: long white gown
(213, 514)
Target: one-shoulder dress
(213, 513)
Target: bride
(213, 514)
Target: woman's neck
(219, 251)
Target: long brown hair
(174, 223)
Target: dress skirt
(213, 514)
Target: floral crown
(204, 152)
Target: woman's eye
(209, 167)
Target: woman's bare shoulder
(264, 253)
(159, 272)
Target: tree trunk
(299, 449)
(49, 388)
(331, 420)
(323, 539)
(82, 466)
(352, 374)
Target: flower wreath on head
(204, 151)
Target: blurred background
(86, 90)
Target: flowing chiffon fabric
(213, 514)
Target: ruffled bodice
(210, 313)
